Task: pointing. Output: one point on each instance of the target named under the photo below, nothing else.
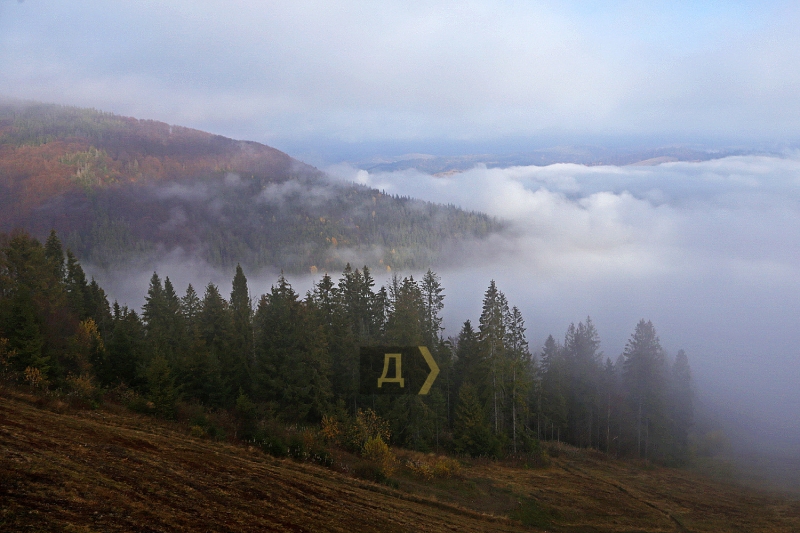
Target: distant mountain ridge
(580, 155)
(118, 188)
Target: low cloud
(706, 250)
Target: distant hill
(118, 189)
(581, 155)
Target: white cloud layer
(708, 251)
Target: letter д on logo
(396, 370)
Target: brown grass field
(111, 470)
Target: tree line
(294, 358)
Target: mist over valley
(576, 224)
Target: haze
(708, 251)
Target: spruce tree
(471, 431)
(55, 255)
(77, 287)
(241, 307)
(292, 364)
(681, 402)
(216, 331)
(643, 374)
(519, 373)
(492, 338)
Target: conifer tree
(125, 349)
(553, 389)
(241, 307)
(77, 287)
(338, 338)
(644, 379)
(216, 330)
(433, 303)
(469, 366)
(492, 338)
(471, 431)
(520, 371)
(190, 309)
(681, 401)
(55, 255)
(161, 387)
(292, 363)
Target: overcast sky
(307, 75)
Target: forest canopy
(118, 190)
(294, 358)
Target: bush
(431, 466)
(378, 451)
(82, 390)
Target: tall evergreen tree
(433, 303)
(55, 255)
(77, 287)
(520, 371)
(492, 337)
(215, 328)
(681, 402)
(553, 390)
(472, 434)
(582, 355)
(242, 355)
(643, 374)
(292, 363)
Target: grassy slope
(106, 470)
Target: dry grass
(110, 470)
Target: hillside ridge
(121, 190)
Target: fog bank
(708, 251)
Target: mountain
(580, 155)
(119, 189)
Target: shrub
(367, 425)
(378, 451)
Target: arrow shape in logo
(426, 387)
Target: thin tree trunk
(514, 408)
(639, 431)
(608, 426)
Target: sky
(329, 80)
(708, 251)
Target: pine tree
(292, 364)
(643, 374)
(241, 307)
(125, 349)
(554, 389)
(469, 366)
(681, 402)
(55, 255)
(405, 323)
(77, 287)
(582, 356)
(433, 303)
(190, 309)
(520, 371)
(492, 337)
(338, 338)
(471, 431)
(161, 387)
(215, 328)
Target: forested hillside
(120, 190)
(289, 359)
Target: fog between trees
(294, 358)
